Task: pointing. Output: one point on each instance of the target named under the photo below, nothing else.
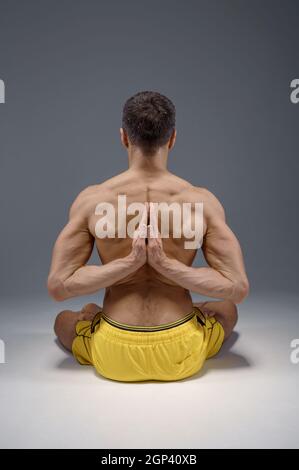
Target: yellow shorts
(166, 352)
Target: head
(148, 122)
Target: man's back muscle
(145, 290)
(164, 188)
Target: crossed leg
(66, 321)
(224, 311)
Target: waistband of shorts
(163, 326)
(148, 334)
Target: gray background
(69, 66)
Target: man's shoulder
(94, 191)
(206, 194)
(188, 192)
(84, 200)
(212, 205)
(88, 197)
(87, 193)
(199, 193)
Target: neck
(149, 164)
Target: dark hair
(149, 120)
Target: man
(148, 328)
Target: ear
(124, 137)
(172, 140)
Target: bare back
(138, 293)
(145, 297)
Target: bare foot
(89, 311)
(204, 309)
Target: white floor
(245, 397)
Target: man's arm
(69, 277)
(225, 277)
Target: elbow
(56, 289)
(240, 291)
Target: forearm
(205, 281)
(90, 279)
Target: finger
(153, 243)
(154, 230)
(150, 237)
(141, 230)
(135, 235)
(153, 233)
(146, 204)
(144, 214)
(140, 233)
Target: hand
(138, 253)
(155, 253)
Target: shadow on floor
(225, 359)
(68, 362)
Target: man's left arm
(224, 277)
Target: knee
(91, 308)
(233, 314)
(229, 315)
(59, 320)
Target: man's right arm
(69, 275)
